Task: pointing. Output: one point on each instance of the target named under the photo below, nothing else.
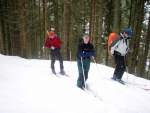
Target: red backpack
(111, 37)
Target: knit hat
(51, 33)
(86, 35)
(128, 32)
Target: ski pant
(86, 67)
(120, 66)
(53, 54)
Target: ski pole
(126, 68)
(70, 55)
(95, 63)
(83, 72)
(127, 75)
(135, 69)
(98, 69)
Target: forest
(23, 26)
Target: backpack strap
(115, 41)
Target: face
(126, 35)
(86, 39)
(51, 36)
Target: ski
(140, 86)
(121, 82)
(67, 75)
(57, 75)
(146, 89)
(64, 75)
(92, 94)
(137, 84)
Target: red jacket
(53, 42)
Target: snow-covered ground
(28, 86)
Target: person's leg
(122, 67)
(116, 69)
(118, 59)
(86, 63)
(59, 57)
(80, 80)
(115, 72)
(52, 55)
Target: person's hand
(52, 47)
(85, 52)
(130, 50)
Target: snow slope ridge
(28, 86)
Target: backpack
(111, 37)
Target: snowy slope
(28, 86)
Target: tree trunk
(46, 55)
(135, 43)
(99, 30)
(56, 18)
(109, 17)
(116, 17)
(40, 52)
(3, 29)
(64, 44)
(1, 37)
(70, 30)
(131, 12)
(92, 21)
(146, 52)
(23, 30)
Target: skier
(119, 48)
(54, 44)
(85, 50)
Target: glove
(130, 50)
(52, 47)
(84, 52)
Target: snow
(28, 86)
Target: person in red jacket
(54, 44)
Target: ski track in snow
(28, 86)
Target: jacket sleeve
(47, 43)
(88, 54)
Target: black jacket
(85, 49)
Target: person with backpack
(85, 51)
(54, 44)
(119, 47)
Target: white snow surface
(28, 86)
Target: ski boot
(62, 72)
(120, 81)
(53, 71)
(114, 77)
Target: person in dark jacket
(119, 48)
(85, 51)
(54, 44)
